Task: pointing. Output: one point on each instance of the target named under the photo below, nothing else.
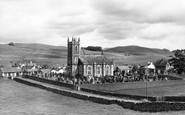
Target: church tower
(73, 55)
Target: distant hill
(40, 53)
(137, 50)
(57, 55)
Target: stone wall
(137, 106)
(50, 81)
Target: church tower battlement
(73, 54)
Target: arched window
(98, 70)
(107, 69)
(76, 48)
(89, 70)
(76, 60)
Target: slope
(40, 53)
(137, 50)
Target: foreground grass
(155, 88)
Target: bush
(11, 44)
(93, 48)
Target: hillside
(137, 50)
(136, 54)
(57, 55)
(40, 53)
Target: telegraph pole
(147, 87)
(146, 75)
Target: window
(107, 69)
(98, 70)
(89, 70)
(76, 60)
(76, 48)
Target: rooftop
(10, 69)
(98, 59)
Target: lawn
(155, 88)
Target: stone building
(73, 55)
(10, 72)
(161, 66)
(83, 64)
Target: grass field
(155, 88)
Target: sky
(106, 23)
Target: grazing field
(155, 88)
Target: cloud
(153, 11)
(73, 25)
(44, 19)
(99, 21)
(117, 30)
(149, 20)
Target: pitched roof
(31, 70)
(161, 62)
(151, 66)
(88, 52)
(98, 59)
(10, 69)
(123, 67)
(45, 70)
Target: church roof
(124, 67)
(98, 59)
(10, 70)
(87, 52)
(151, 66)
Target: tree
(93, 48)
(11, 44)
(135, 68)
(178, 61)
(45, 66)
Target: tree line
(178, 61)
(93, 48)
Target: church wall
(103, 70)
(112, 69)
(73, 55)
(98, 74)
(73, 59)
(85, 70)
(94, 70)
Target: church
(82, 64)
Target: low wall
(50, 81)
(141, 106)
